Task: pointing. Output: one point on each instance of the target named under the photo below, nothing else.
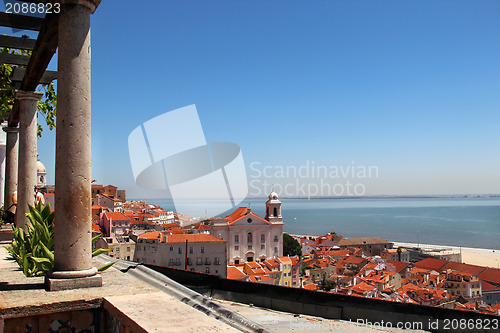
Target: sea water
(468, 222)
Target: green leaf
(97, 252)
(49, 254)
(105, 267)
(96, 237)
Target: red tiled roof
(311, 287)
(488, 286)
(116, 216)
(176, 230)
(150, 235)
(240, 212)
(354, 260)
(431, 263)
(285, 259)
(456, 266)
(260, 278)
(233, 273)
(398, 264)
(491, 275)
(202, 227)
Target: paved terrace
(145, 301)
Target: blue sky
(411, 87)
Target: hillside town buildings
(246, 247)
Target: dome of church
(41, 173)
(40, 168)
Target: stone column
(73, 227)
(27, 153)
(11, 166)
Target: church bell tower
(273, 208)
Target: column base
(64, 280)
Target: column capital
(92, 4)
(11, 129)
(28, 95)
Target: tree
(327, 285)
(290, 246)
(46, 107)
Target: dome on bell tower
(273, 195)
(41, 174)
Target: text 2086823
(32, 8)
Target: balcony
(25, 303)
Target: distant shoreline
(475, 250)
(366, 197)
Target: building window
(275, 211)
(192, 269)
(189, 262)
(262, 246)
(128, 248)
(177, 261)
(202, 249)
(207, 270)
(236, 261)
(171, 262)
(207, 261)
(236, 247)
(262, 238)
(236, 239)
(249, 247)
(249, 237)
(199, 261)
(286, 283)
(190, 250)
(249, 259)
(171, 248)
(179, 250)
(216, 261)
(275, 238)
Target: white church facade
(250, 237)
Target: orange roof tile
(116, 216)
(312, 287)
(260, 278)
(240, 212)
(233, 273)
(150, 235)
(491, 275)
(431, 263)
(176, 230)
